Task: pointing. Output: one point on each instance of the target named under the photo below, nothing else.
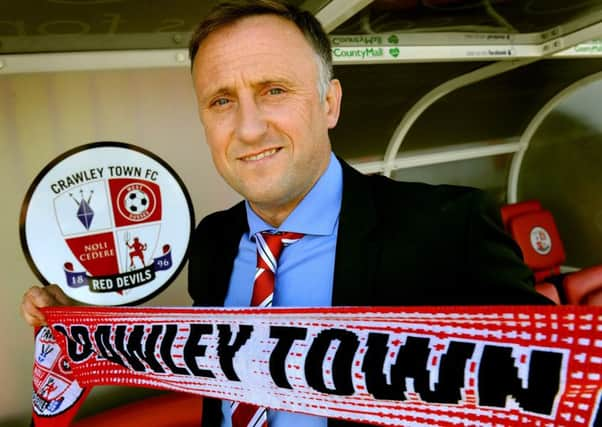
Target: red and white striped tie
(269, 248)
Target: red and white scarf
(444, 366)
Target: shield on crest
(117, 234)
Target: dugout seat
(166, 410)
(535, 231)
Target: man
(262, 76)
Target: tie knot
(284, 237)
(271, 244)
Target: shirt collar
(317, 213)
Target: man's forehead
(255, 31)
(252, 53)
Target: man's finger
(39, 297)
(32, 315)
(58, 294)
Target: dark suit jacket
(398, 244)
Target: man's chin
(264, 191)
(271, 201)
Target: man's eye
(220, 102)
(275, 91)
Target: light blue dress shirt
(305, 271)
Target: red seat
(167, 410)
(535, 231)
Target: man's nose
(251, 124)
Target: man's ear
(332, 103)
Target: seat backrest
(515, 209)
(535, 231)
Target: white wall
(43, 115)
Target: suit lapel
(222, 259)
(358, 246)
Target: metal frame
(537, 120)
(338, 11)
(569, 45)
(434, 156)
(124, 59)
(451, 38)
(49, 43)
(590, 49)
(83, 61)
(349, 55)
(465, 46)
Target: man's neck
(275, 215)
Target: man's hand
(38, 297)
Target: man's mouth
(259, 156)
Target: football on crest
(136, 201)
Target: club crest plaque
(109, 222)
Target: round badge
(109, 222)
(541, 241)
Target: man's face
(256, 83)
